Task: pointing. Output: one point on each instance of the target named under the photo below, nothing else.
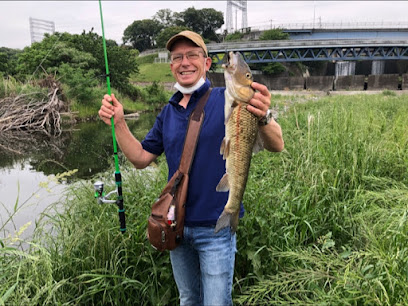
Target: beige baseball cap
(193, 36)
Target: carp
(241, 133)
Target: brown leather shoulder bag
(166, 222)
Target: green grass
(328, 215)
(150, 72)
(325, 224)
(10, 87)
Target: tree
(214, 20)
(204, 22)
(78, 56)
(8, 60)
(167, 33)
(3, 63)
(141, 34)
(165, 18)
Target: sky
(75, 16)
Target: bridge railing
(332, 25)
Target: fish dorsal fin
(223, 185)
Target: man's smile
(187, 72)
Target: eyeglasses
(177, 58)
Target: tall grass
(326, 219)
(325, 223)
(80, 256)
(12, 87)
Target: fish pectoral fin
(228, 113)
(225, 148)
(223, 185)
(222, 148)
(259, 144)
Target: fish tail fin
(227, 220)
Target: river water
(29, 163)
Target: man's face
(188, 64)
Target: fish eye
(248, 75)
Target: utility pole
(314, 13)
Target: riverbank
(326, 216)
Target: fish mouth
(231, 61)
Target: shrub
(234, 36)
(80, 82)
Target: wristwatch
(266, 119)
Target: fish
(241, 134)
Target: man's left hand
(260, 102)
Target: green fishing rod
(118, 177)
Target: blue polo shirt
(204, 204)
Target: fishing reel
(100, 193)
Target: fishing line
(118, 176)
(45, 57)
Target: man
(203, 265)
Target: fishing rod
(99, 192)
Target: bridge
(312, 50)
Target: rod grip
(119, 202)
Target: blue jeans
(203, 266)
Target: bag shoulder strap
(193, 130)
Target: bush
(234, 36)
(146, 59)
(274, 34)
(81, 83)
(155, 94)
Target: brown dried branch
(33, 112)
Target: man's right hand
(108, 110)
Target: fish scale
(241, 129)
(241, 132)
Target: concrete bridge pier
(377, 67)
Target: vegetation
(152, 33)
(167, 33)
(326, 221)
(79, 60)
(141, 34)
(8, 58)
(204, 21)
(35, 111)
(149, 71)
(274, 34)
(272, 68)
(234, 36)
(159, 72)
